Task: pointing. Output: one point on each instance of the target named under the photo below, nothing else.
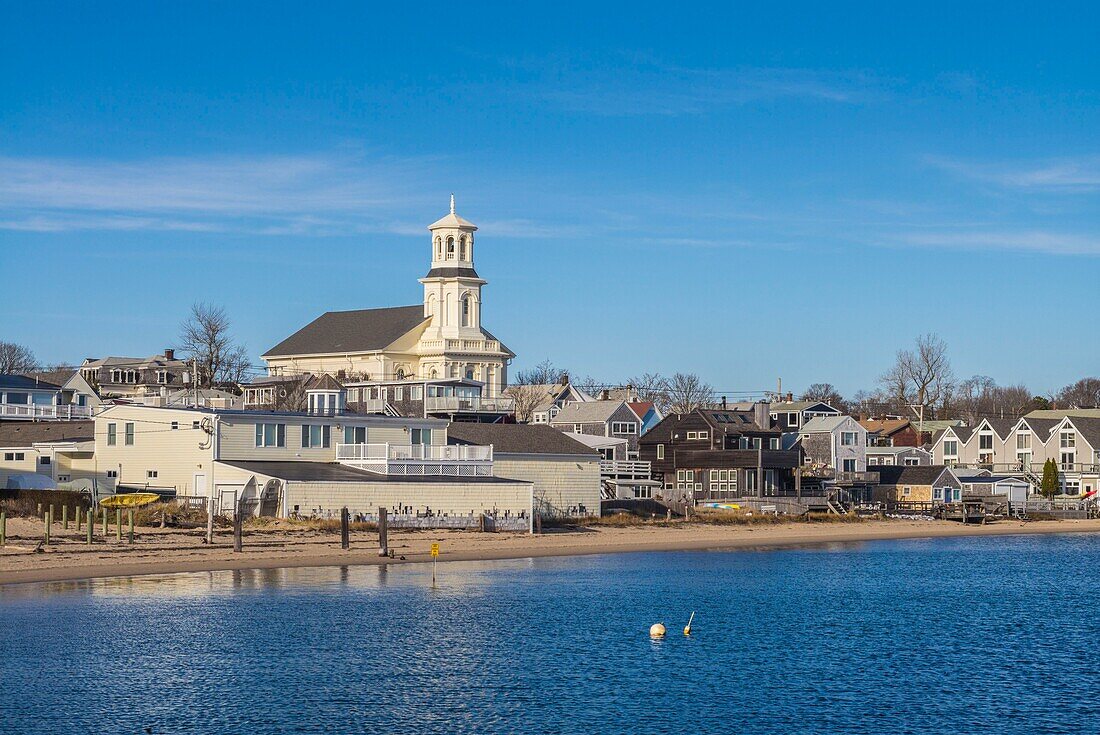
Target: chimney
(605, 394)
(790, 397)
(169, 354)
(565, 378)
(724, 403)
(760, 414)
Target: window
(714, 476)
(937, 493)
(950, 448)
(162, 376)
(985, 441)
(466, 311)
(625, 427)
(577, 428)
(355, 435)
(44, 460)
(315, 436)
(1023, 440)
(773, 442)
(13, 456)
(129, 440)
(175, 425)
(1068, 439)
(693, 435)
(112, 435)
(398, 394)
(660, 451)
(270, 435)
(416, 393)
(150, 474)
(421, 436)
(194, 424)
(872, 461)
(63, 478)
(353, 395)
(112, 473)
(792, 419)
(450, 248)
(849, 465)
(848, 438)
(906, 490)
(911, 462)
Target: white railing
(418, 459)
(459, 345)
(624, 470)
(464, 403)
(33, 412)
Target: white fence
(464, 403)
(418, 459)
(33, 412)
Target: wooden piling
(3, 528)
(65, 517)
(46, 531)
(105, 529)
(79, 515)
(40, 509)
(91, 527)
(383, 532)
(345, 540)
(237, 531)
(131, 512)
(118, 525)
(51, 514)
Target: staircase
(836, 505)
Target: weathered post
(345, 541)
(3, 528)
(105, 529)
(65, 517)
(131, 525)
(538, 523)
(383, 532)
(91, 527)
(50, 521)
(46, 527)
(118, 525)
(79, 513)
(39, 509)
(237, 530)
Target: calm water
(991, 635)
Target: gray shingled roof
(517, 438)
(25, 433)
(23, 382)
(588, 412)
(452, 272)
(363, 330)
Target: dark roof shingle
(25, 433)
(363, 330)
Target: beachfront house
(922, 484)
(46, 454)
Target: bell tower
(452, 288)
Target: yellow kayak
(129, 500)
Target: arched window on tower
(438, 249)
(450, 248)
(467, 311)
(400, 373)
(465, 248)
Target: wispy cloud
(1064, 174)
(271, 195)
(1038, 241)
(640, 85)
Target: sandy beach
(157, 551)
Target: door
(199, 486)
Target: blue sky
(747, 191)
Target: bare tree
(920, 377)
(687, 391)
(652, 387)
(1085, 393)
(825, 393)
(16, 359)
(205, 338)
(545, 373)
(527, 397)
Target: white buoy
(657, 630)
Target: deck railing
(625, 470)
(469, 403)
(418, 459)
(34, 412)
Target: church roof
(452, 220)
(362, 330)
(452, 272)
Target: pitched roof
(25, 433)
(587, 412)
(962, 432)
(516, 438)
(362, 330)
(819, 424)
(1061, 413)
(641, 408)
(22, 382)
(323, 382)
(1089, 427)
(452, 220)
(885, 426)
(1001, 426)
(909, 474)
(57, 377)
(789, 406)
(724, 418)
(1042, 427)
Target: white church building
(440, 339)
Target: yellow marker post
(435, 555)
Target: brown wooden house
(720, 454)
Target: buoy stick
(687, 628)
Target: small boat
(129, 500)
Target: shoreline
(281, 550)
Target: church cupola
(453, 242)
(452, 288)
